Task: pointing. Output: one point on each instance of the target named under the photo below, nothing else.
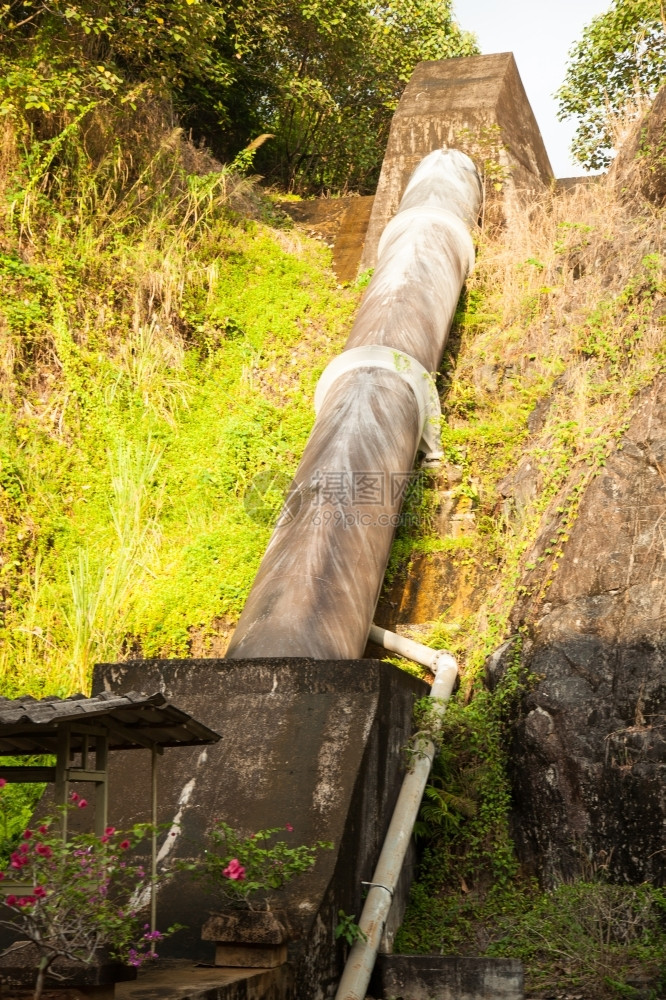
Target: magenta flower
(3, 782)
(27, 834)
(40, 892)
(74, 797)
(83, 803)
(124, 844)
(234, 871)
(43, 829)
(11, 900)
(289, 828)
(44, 850)
(109, 831)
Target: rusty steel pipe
(317, 586)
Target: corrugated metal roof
(30, 725)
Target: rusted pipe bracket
(409, 369)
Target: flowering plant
(246, 867)
(70, 898)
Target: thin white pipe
(153, 846)
(357, 971)
(408, 648)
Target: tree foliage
(620, 59)
(323, 76)
(327, 75)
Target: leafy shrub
(69, 898)
(606, 940)
(245, 870)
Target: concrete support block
(313, 743)
(443, 977)
(250, 956)
(476, 104)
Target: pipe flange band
(409, 369)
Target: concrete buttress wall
(313, 743)
(448, 103)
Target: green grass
(153, 364)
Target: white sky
(540, 34)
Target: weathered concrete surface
(438, 977)
(180, 980)
(454, 102)
(17, 969)
(252, 926)
(589, 755)
(350, 240)
(639, 169)
(313, 743)
(341, 223)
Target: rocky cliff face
(588, 762)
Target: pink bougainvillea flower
(234, 871)
(74, 797)
(3, 782)
(83, 803)
(104, 839)
(124, 844)
(11, 901)
(27, 834)
(289, 828)
(2, 875)
(44, 850)
(40, 892)
(24, 848)
(109, 831)
(44, 829)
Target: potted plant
(246, 872)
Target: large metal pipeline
(319, 581)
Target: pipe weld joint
(410, 371)
(378, 885)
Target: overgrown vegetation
(559, 331)
(468, 869)
(153, 308)
(606, 940)
(613, 74)
(320, 78)
(161, 332)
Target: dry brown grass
(565, 311)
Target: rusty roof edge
(78, 709)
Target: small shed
(80, 732)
